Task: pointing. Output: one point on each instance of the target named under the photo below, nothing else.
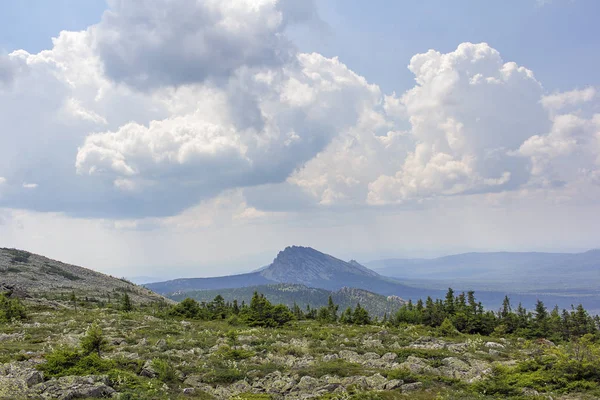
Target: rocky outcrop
(22, 380)
(292, 386)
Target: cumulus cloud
(152, 43)
(557, 101)
(159, 108)
(468, 112)
(301, 107)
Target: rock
(389, 357)
(161, 344)
(11, 388)
(428, 343)
(358, 381)
(494, 345)
(33, 378)
(418, 365)
(458, 347)
(494, 353)
(455, 368)
(148, 371)
(189, 391)
(330, 387)
(372, 343)
(370, 356)
(350, 356)
(307, 383)
(376, 382)
(330, 357)
(411, 387)
(74, 387)
(240, 387)
(393, 384)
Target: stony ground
(156, 358)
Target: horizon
(365, 131)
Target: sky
(199, 138)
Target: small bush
(93, 341)
(64, 362)
(164, 370)
(11, 309)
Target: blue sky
(208, 135)
(557, 39)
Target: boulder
(376, 382)
(393, 384)
(411, 387)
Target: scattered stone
(494, 345)
(411, 387)
(148, 371)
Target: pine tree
(126, 303)
(93, 341)
(361, 316)
(449, 302)
(541, 319)
(347, 316)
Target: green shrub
(93, 341)
(11, 309)
(64, 362)
(164, 370)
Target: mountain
(302, 295)
(501, 270)
(33, 276)
(302, 266)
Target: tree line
(455, 313)
(465, 314)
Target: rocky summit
(305, 265)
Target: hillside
(289, 294)
(501, 270)
(34, 276)
(302, 266)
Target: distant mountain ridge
(33, 276)
(302, 295)
(297, 265)
(512, 271)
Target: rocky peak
(305, 265)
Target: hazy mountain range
(500, 271)
(297, 265)
(307, 276)
(555, 278)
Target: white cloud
(468, 112)
(152, 43)
(206, 149)
(557, 101)
(29, 185)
